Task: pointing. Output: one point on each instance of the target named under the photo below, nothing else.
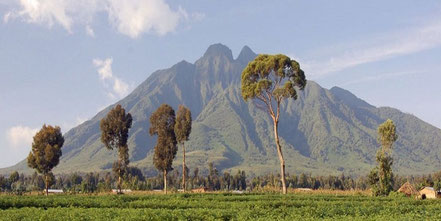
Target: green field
(217, 207)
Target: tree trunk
(47, 184)
(119, 183)
(183, 169)
(165, 181)
(281, 159)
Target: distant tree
(162, 123)
(381, 177)
(38, 182)
(213, 177)
(59, 183)
(90, 183)
(182, 131)
(114, 134)
(14, 177)
(76, 179)
(135, 172)
(46, 151)
(226, 181)
(269, 80)
(3, 183)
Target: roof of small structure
(408, 189)
(54, 191)
(428, 188)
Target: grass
(218, 206)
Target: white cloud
(133, 17)
(104, 68)
(46, 12)
(21, 136)
(119, 88)
(394, 44)
(129, 17)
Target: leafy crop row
(215, 207)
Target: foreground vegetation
(218, 206)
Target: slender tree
(114, 134)
(46, 151)
(381, 177)
(269, 80)
(182, 131)
(162, 123)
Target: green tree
(114, 134)
(269, 80)
(182, 131)
(14, 177)
(90, 183)
(46, 151)
(381, 177)
(162, 124)
(3, 183)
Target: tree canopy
(387, 134)
(183, 124)
(115, 128)
(274, 76)
(46, 151)
(162, 123)
(114, 134)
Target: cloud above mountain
(20, 136)
(118, 88)
(129, 17)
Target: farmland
(217, 206)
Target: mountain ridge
(323, 132)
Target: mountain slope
(323, 132)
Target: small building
(408, 190)
(429, 193)
(122, 190)
(54, 191)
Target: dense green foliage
(114, 134)
(46, 151)
(183, 124)
(381, 177)
(217, 207)
(274, 76)
(162, 124)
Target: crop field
(217, 206)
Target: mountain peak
(219, 50)
(246, 55)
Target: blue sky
(61, 61)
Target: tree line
(102, 182)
